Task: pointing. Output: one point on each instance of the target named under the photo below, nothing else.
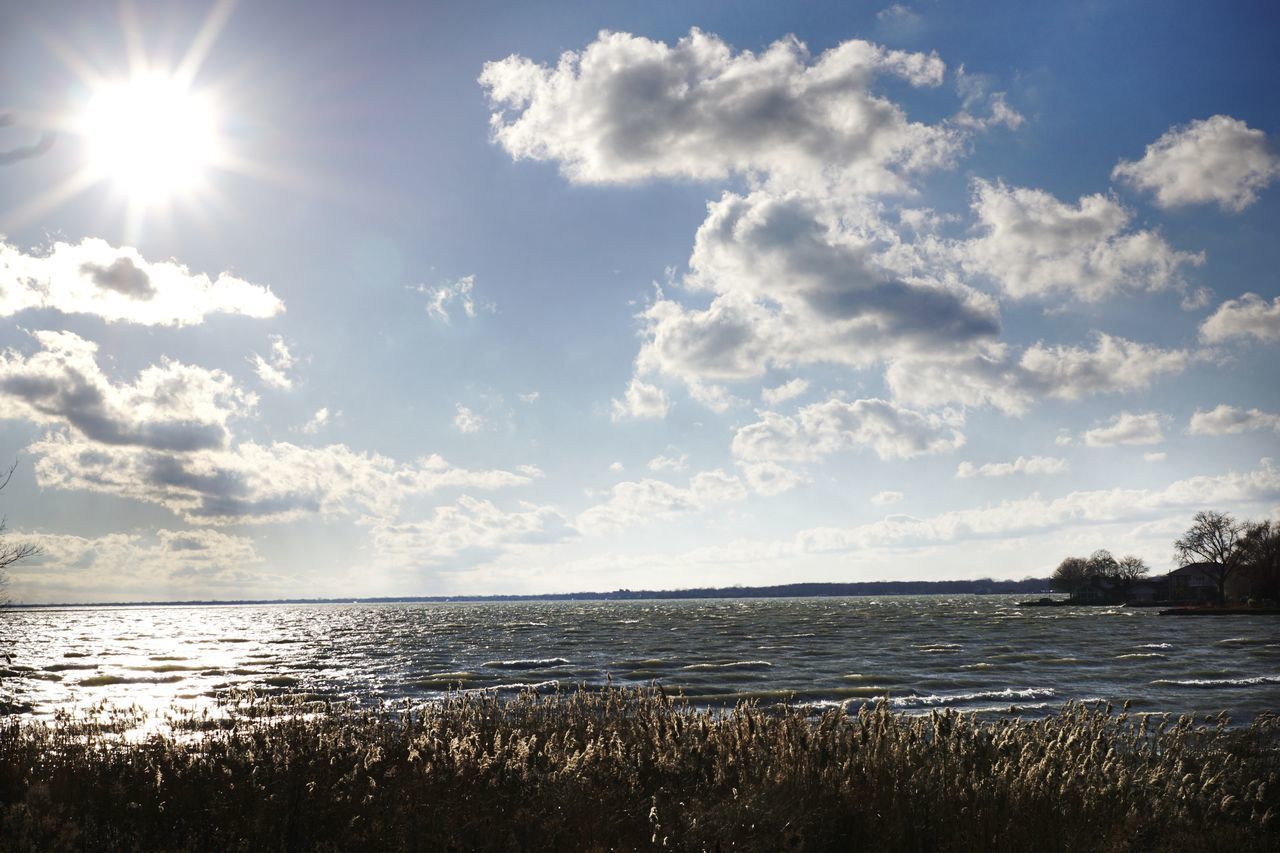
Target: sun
(151, 136)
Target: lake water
(971, 653)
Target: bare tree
(1213, 541)
(1130, 569)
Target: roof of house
(1196, 572)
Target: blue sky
(473, 298)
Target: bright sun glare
(151, 136)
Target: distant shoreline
(983, 586)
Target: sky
(311, 300)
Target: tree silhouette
(1213, 541)
(1260, 557)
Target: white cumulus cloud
(1021, 465)
(1250, 316)
(637, 502)
(1010, 383)
(1232, 420)
(820, 429)
(628, 109)
(1127, 428)
(169, 406)
(119, 285)
(1034, 245)
(1219, 160)
(642, 400)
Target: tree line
(1218, 545)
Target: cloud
(887, 498)
(1230, 420)
(135, 564)
(170, 406)
(1034, 513)
(795, 281)
(254, 483)
(466, 420)
(1113, 365)
(820, 429)
(319, 420)
(629, 109)
(530, 397)
(642, 400)
(635, 502)
(1219, 159)
(24, 152)
(669, 463)
(1036, 246)
(769, 478)
(1156, 456)
(898, 15)
(1126, 428)
(465, 533)
(1247, 317)
(976, 94)
(784, 392)
(441, 298)
(122, 276)
(1021, 465)
(118, 285)
(273, 370)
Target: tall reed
(626, 769)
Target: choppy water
(966, 652)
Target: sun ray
(70, 187)
(135, 50)
(207, 36)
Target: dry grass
(633, 769)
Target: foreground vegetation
(632, 769)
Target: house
(1193, 582)
(1148, 591)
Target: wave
(939, 699)
(526, 663)
(737, 664)
(938, 648)
(1136, 655)
(1218, 682)
(108, 680)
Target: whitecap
(523, 663)
(938, 699)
